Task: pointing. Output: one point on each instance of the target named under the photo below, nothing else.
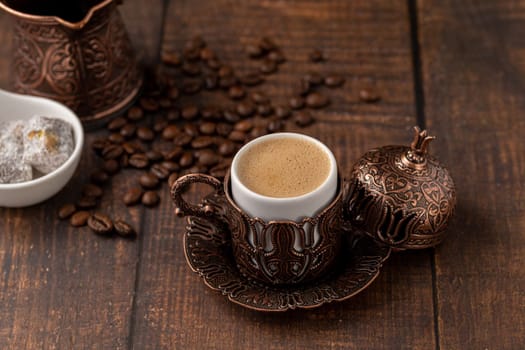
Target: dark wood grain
(473, 65)
(368, 42)
(62, 287)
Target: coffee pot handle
(180, 187)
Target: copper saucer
(208, 252)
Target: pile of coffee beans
(166, 135)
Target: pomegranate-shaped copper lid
(401, 195)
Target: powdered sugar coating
(48, 143)
(12, 167)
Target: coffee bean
(87, 202)
(116, 124)
(132, 196)
(225, 71)
(159, 171)
(150, 198)
(100, 224)
(128, 130)
(154, 156)
(243, 125)
(98, 145)
(227, 148)
(173, 177)
(139, 160)
(170, 165)
(210, 113)
(159, 124)
(148, 180)
(303, 118)
(211, 81)
(254, 50)
(275, 125)
(135, 113)
(186, 160)
(264, 110)
(302, 87)
(170, 131)
(173, 154)
(190, 129)
(237, 136)
(145, 134)
(124, 161)
(231, 116)
(313, 78)
(369, 95)
(267, 44)
(214, 63)
(220, 169)
(259, 97)
(112, 151)
(268, 66)
(191, 69)
(149, 104)
(92, 190)
(171, 58)
(197, 168)
(296, 102)
(172, 115)
(316, 55)
(207, 128)
(277, 56)
(189, 112)
(282, 112)
(202, 142)
(191, 86)
(236, 92)
(99, 176)
(182, 139)
(207, 54)
(173, 93)
(334, 80)
(164, 102)
(124, 229)
(111, 166)
(208, 158)
(251, 79)
(228, 82)
(245, 109)
(116, 138)
(66, 210)
(258, 131)
(191, 54)
(79, 218)
(316, 100)
(129, 147)
(224, 129)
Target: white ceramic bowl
(18, 107)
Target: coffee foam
(283, 167)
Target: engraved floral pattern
(90, 69)
(209, 253)
(401, 204)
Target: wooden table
(454, 67)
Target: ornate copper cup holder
(209, 253)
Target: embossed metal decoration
(401, 195)
(88, 65)
(276, 252)
(208, 250)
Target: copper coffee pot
(76, 52)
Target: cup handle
(182, 184)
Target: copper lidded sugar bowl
(401, 195)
